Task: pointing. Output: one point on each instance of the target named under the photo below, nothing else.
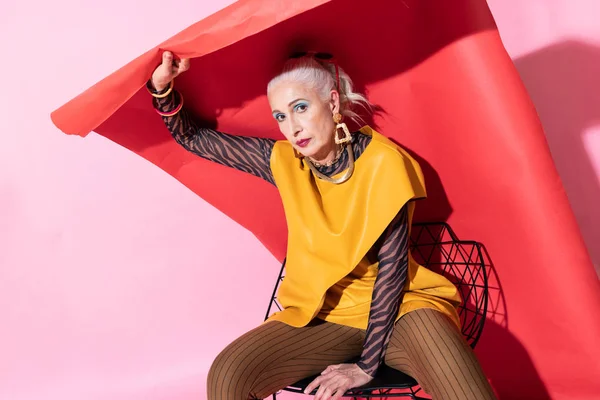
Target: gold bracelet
(174, 111)
(165, 94)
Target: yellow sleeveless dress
(330, 270)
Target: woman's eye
(301, 107)
(279, 117)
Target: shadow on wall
(564, 84)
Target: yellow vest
(331, 264)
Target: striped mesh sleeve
(389, 284)
(248, 154)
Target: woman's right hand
(168, 70)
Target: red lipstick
(302, 143)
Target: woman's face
(305, 119)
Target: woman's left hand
(335, 380)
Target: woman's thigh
(428, 346)
(275, 355)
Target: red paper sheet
(452, 97)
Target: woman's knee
(228, 377)
(234, 373)
(430, 347)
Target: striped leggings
(425, 344)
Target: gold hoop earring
(337, 118)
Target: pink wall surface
(116, 282)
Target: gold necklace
(329, 163)
(342, 178)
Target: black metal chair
(435, 245)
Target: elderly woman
(352, 291)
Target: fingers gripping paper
(450, 94)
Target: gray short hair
(320, 75)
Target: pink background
(101, 296)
